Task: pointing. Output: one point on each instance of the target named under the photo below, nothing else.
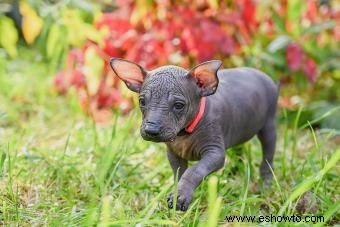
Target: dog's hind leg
(267, 137)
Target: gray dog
(201, 112)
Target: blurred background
(70, 149)
(295, 42)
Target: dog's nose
(152, 128)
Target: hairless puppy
(201, 112)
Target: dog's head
(169, 96)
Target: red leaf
(285, 102)
(116, 22)
(78, 78)
(227, 45)
(248, 12)
(188, 41)
(312, 10)
(110, 49)
(309, 68)
(294, 56)
(84, 100)
(128, 40)
(61, 83)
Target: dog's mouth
(158, 139)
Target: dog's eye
(178, 105)
(141, 101)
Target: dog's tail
(278, 85)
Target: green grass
(56, 169)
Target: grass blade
(307, 184)
(214, 203)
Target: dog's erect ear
(205, 75)
(131, 73)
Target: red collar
(190, 128)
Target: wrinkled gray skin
(243, 106)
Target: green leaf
(52, 40)
(8, 36)
(294, 11)
(295, 8)
(326, 114)
(278, 43)
(279, 22)
(92, 69)
(272, 58)
(320, 27)
(81, 31)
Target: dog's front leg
(177, 164)
(211, 160)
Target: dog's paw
(266, 181)
(183, 201)
(170, 200)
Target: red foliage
(297, 59)
(309, 68)
(294, 56)
(312, 10)
(190, 32)
(60, 82)
(248, 8)
(179, 34)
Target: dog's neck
(191, 127)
